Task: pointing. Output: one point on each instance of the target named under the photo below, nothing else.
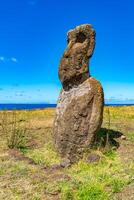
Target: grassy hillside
(29, 164)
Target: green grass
(45, 156)
(97, 181)
(131, 136)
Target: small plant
(91, 192)
(108, 128)
(66, 189)
(15, 129)
(102, 141)
(117, 184)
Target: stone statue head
(73, 68)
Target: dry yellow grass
(31, 173)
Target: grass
(98, 181)
(31, 172)
(131, 136)
(45, 156)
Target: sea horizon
(33, 106)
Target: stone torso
(74, 122)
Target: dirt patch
(17, 155)
(126, 152)
(126, 194)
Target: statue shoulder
(95, 85)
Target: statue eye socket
(81, 37)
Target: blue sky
(33, 38)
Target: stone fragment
(91, 158)
(123, 137)
(65, 163)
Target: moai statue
(79, 111)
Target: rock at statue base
(79, 111)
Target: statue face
(74, 62)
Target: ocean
(25, 106)
(40, 106)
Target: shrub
(14, 128)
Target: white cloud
(5, 59)
(2, 58)
(13, 59)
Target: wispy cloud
(118, 92)
(13, 59)
(8, 59)
(119, 101)
(2, 58)
(29, 94)
(19, 94)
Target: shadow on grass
(107, 137)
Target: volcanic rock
(79, 110)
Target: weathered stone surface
(80, 106)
